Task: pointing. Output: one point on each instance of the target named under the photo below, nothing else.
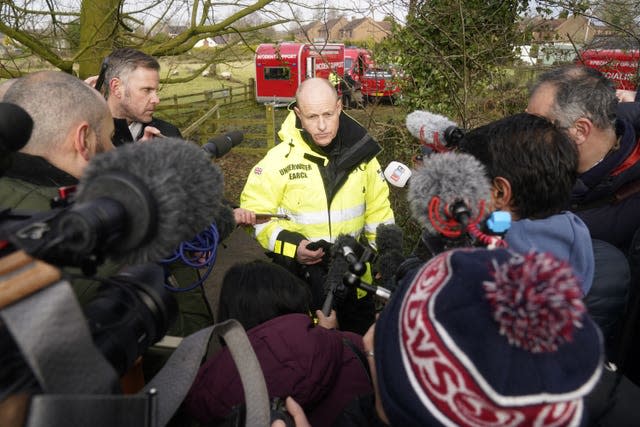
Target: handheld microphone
(137, 203)
(448, 192)
(434, 130)
(220, 145)
(397, 174)
(15, 127)
(101, 76)
(378, 291)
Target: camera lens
(130, 312)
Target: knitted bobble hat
(487, 338)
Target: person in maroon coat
(322, 369)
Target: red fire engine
(620, 66)
(281, 67)
(381, 84)
(357, 60)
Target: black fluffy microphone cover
(389, 237)
(169, 188)
(339, 264)
(389, 241)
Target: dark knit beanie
(487, 338)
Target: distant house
(365, 29)
(556, 53)
(574, 29)
(321, 30)
(525, 55)
(341, 30)
(206, 42)
(558, 40)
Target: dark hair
(255, 292)
(123, 61)
(580, 92)
(539, 161)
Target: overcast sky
(303, 10)
(149, 11)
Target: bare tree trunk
(99, 22)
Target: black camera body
(237, 417)
(131, 310)
(279, 412)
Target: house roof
(385, 25)
(382, 25)
(315, 25)
(547, 24)
(354, 24)
(310, 25)
(343, 25)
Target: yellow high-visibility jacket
(352, 197)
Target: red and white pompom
(536, 300)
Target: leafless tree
(74, 35)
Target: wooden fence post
(271, 125)
(252, 88)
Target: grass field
(240, 72)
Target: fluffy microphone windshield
(168, 188)
(389, 241)
(451, 177)
(339, 264)
(389, 237)
(424, 125)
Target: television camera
(69, 360)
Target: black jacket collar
(36, 170)
(351, 145)
(122, 134)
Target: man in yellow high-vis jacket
(325, 178)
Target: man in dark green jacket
(59, 149)
(71, 125)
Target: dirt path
(238, 247)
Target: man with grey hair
(132, 80)
(606, 196)
(583, 102)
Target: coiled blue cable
(199, 252)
